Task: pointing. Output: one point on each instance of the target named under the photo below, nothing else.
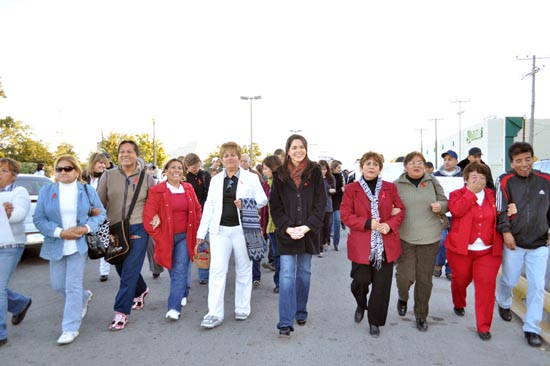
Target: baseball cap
(475, 151)
(451, 153)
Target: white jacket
(248, 186)
(21, 201)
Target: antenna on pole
(421, 139)
(532, 73)
(460, 111)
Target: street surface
(330, 336)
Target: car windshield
(32, 183)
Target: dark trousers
(325, 230)
(363, 276)
(415, 266)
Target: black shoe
(485, 336)
(401, 307)
(335, 247)
(301, 322)
(156, 275)
(459, 311)
(533, 339)
(421, 324)
(103, 278)
(16, 319)
(203, 282)
(284, 332)
(437, 272)
(276, 289)
(3, 341)
(449, 276)
(359, 314)
(374, 331)
(505, 314)
(343, 227)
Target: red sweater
(159, 201)
(471, 221)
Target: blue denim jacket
(47, 217)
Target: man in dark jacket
(474, 154)
(523, 206)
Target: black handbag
(97, 241)
(120, 243)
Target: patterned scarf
(376, 241)
(295, 172)
(255, 243)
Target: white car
(542, 165)
(32, 183)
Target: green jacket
(421, 225)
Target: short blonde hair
(72, 160)
(230, 146)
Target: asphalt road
(330, 337)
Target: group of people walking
(391, 225)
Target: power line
(435, 123)
(532, 73)
(460, 111)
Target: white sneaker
(173, 314)
(67, 337)
(241, 316)
(85, 307)
(184, 301)
(211, 321)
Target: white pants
(229, 238)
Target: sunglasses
(229, 186)
(65, 169)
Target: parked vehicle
(32, 183)
(542, 165)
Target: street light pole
(435, 132)
(251, 99)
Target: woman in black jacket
(297, 203)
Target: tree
(144, 141)
(16, 142)
(64, 149)
(255, 154)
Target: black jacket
(531, 195)
(200, 183)
(339, 194)
(292, 206)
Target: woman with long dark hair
(297, 204)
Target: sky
(351, 76)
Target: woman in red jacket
(373, 240)
(474, 247)
(171, 216)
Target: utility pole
(460, 111)
(154, 145)
(534, 70)
(436, 155)
(421, 139)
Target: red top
(179, 212)
(471, 221)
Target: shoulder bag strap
(134, 199)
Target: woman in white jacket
(221, 218)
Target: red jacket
(460, 203)
(159, 201)
(355, 211)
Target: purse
(97, 241)
(255, 242)
(120, 243)
(201, 258)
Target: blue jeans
(179, 271)
(535, 261)
(67, 278)
(336, 226)
(441, 259)
(256, 270)
(293, 288)
(9, 300)
(132, 283)
(276, 257)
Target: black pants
(325, 230)
(363, 276)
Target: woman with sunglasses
(221, 219)
(64, 216)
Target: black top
(200, 183)
(416, 182)
(230, 215)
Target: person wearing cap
(429, 167)
(474, 154)
(449, 168)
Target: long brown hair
(283, 171)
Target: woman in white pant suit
(221, 218)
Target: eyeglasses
(416, 163)
(229, 185)
(65, 169)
